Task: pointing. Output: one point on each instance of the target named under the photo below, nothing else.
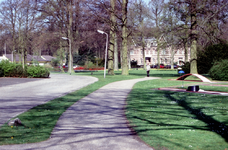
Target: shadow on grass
(212, 124)
(154, 113)
(39, 121)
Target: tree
(203, 10)
(138, 14)
(156, 9)
(124, 38)
(9, 10)
(112, 39)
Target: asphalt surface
(96, 122)
(20, 94)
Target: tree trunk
(129, 60)
(172, 57)
(193, 61)
(111, 53)
(185, 52)
(112, 40)
(125, 70)
(116, 68)
(76, 26)
(158, 53)
(144, 58)
(69, 28)
(186, 44)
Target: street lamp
(106, 49)
(65, 38)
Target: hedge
(8, 69)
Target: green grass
(178, 120)
(205, 87)
(39, 121)
(214, 88)
(156, 115)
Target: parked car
(162, 66)
(65, 66)
(167, 66)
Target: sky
(143, 0)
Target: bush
(219, 71)
(186, 67)
(38, 72)
(19, 71)
(8, 69)
(55, 62)
(89, 65)
(210, 55)
(1, 72)
(134, 64)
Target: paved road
(20, 94)
(96, 122)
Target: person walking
(148, 69)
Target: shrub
(210, 55)
(19, 71)
(55, 62)
(89, 65)
(186, 67)
(134, 63)
(8, 68)
(219, 71)
(38, 72)
(1, 72)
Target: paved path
(96, 122)
(20, 94)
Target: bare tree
(205, 10)
(156, 9)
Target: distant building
(136, 54)
(44, 59)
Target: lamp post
(65, 38)
(106, 49)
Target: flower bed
(83, 68)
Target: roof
(47, 57)
(30, 58)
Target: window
(141, 52)
(163, 51)
(162, 61)
(132, 52)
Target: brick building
(136, 53)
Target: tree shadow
(143, 106)
(212, 124)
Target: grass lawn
(163, 119)
(39, 121)
(178, 120)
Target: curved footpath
(96, 122)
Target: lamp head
(64, 38)
(102, 32)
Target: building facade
(136, 54)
